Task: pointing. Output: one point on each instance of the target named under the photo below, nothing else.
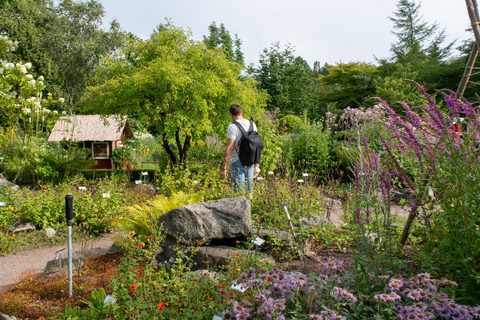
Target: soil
(14, 266)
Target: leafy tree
(173, 83)
(419, 47)
(348, 85)
(77, 42)
(288, 80)
(63, 42)
(219, 37)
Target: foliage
(307, 150)
(443, 180)
(290, 123)
(46, 207)
(36, 160)
(142, 216)
(348, 85)
(208, 150)
(219, 37)
(288, 80)
(63, 40)
(272, 144)
(420, 48)
(175, 85)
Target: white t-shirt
(233, 132)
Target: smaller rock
(148, 189)
(214, 257)
(280, 235)
(27, 227)
(6, 317)
(311, 222)
(332, 202)
(114, 249)
(50, 232)
(54, 265)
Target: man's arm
(226, 159)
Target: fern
(141, 217)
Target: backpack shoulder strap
(239, 127)
(251, 126)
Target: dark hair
(236, 110)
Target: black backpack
(250, 146)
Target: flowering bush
(442, 176)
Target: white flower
(64, 112)
(45, 110)
(9, 66)
(40, 78)
(29, 76)
(31, 99)
(26, 110)
(62, 100)
(23, 69)
(32, 82)
(55, 111)
(28, 65)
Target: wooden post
(472, 9)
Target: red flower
(43, 190)
(133, 287)
(161, 306)
(7, 247)
(223, 292)
(41, 318)
(232, 295)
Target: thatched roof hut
(100, 135)
(80, 128)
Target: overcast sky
(329, 31)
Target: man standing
(238, 172)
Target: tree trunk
(168, 150)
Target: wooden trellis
(472, 8)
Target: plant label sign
(258, 241)
(240, 287)
(270, 172)
(82, 188)
(300, 181)
(144, 173)
(138, 181)
(215, 317)
(259, 178)
(3, 204)
(305, 174)
(110, 299)
(106, 195)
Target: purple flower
(342, 294)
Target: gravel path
(13, 266)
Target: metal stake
(284, 205)
(69, 216)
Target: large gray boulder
(199, 223)
(225, 218)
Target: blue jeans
(238, 173)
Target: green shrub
(290, 123)
(307, 150)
